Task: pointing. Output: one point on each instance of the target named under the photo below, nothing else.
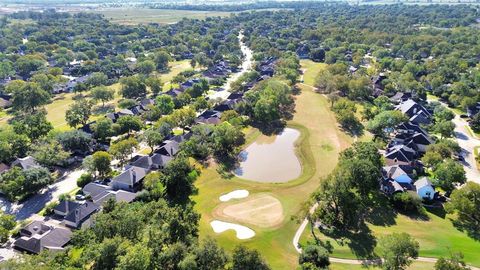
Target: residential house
(209, 117)
(37, 236)
(400, 97)
(416, 112)
(424, 189)
(99, 194)
(168, 148)
(25, 163)
(76, 215)
(390, 187)
(400, 155)
(129, 180)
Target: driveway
(37, 202)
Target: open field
(130, 16)
(318, 148)
(413, 266)
(60, 103)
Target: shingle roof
(422, 182)
(82, 212)
(131, 176)
(43, 237)
(25, 163)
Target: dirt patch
(262, 210)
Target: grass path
(318, 148)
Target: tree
(165, 104)
(49, 153)
(79, 113)
(12, 145)
(431, 159)
(314, 255)
(244, 258)
(28, 63)
(75, 140)
(385, 122)
(129, 123)
(123, 149)
(137, 257)
(84, 179)
(210, 256)
(96, 79)
(103, 128)
(178, 177)
(475, 123)
(155, 84)
(161, 60)
(102, 93)
(133, 87)
(146, 67)
(101, 163)
(444, 128)
(464, 203)
(455, 262)
(184, 117)
(27, 96)
(448, 174)
(226, 139)
(152, 138)
(16, 183)
(33, 125)
(397, 251)
(408, 202)
(7, 223)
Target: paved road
(36, 203)
(467, 142)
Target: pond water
(271, 159)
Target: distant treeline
(246, 6)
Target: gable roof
(25, 163)
(159, 160)
(131, 176)
(65, 206)
(168, 148)
(82, 212)
(422, 182)
(143, 162)
(42, 237)
(411, 108)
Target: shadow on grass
(437, 211)
(361, 243)
(103, 109)
(381, 212)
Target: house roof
(160, 160)
(82, 212)
(422, 182)
(25, 163)
(401, 152)
(169, 148)
(125, 196)
(411, 108)
(131, 176)
(403, 178)
(43, 237)
(94, 189)
(65, 206)
(143, 162)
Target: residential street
(467, 142)
(36, 203)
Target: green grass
(437, 237)
(312, 69)
(318, 148)
(130, 16)
(413, 266)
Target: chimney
(134, 176)
(77, 215)
(66, 207)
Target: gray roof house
(64, 207)
(168, 148)
(100, 193)
(129, 180)
(38, 236)
(80, 216)
(25, 163)
(417, 113)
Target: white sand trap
(242, 231)
(236, 194)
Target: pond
(271, 159)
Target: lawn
(318, 148)
(413, 266)
(437, 237)
(130, 16)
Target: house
(209, 117)
(400, 155)
(412, 109)
(25, 163)
(99, 194)
(37, 236)
(409, 127)
(400, 97)
(144, 162)
(168, 148)
(80, 216)
(303, 51)
(402, 174)
(129, 180)
(417, 141)
(159, 161)
(4, 167)
(64, 207)
(424, 189)
(390, 187)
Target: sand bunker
(261, 210)
(242, 231)
(236, 194)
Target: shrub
(84, 179)
(408, 202)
